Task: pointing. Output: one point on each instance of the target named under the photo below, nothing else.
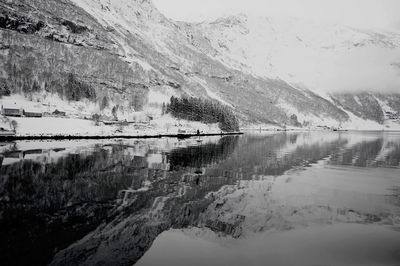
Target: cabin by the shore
(12, 112)
(392, 115)
(59, 113)
(32, 114)
(19, 112)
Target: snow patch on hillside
(384, 105)
(210, 93)
(309, 120)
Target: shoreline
(72, 137)
(173, 135)
(307, 130)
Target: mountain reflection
(105, 203)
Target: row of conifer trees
(202, 110)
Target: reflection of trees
(394, 198)
(202, 155)
(48, 206)
(58, 203)
(72, 179)
(393, 157)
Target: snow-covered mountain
(126, 54)
(302, 51)
(353, 63)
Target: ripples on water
(105, 203)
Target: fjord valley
(140, 132)
(96, 64)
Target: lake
(293, 198)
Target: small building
(392, 115)
(59, 113)
(12, 112)
(32, 114)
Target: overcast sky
(358, 13)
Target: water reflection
(89, 203)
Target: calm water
(310, 198)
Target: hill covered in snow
(126, 57)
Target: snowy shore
(59, 119)
(75, 128)
(140, 136)
(76, 121)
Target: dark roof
(58, 112)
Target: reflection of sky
(340, 244)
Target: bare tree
(96, 119)
(14, 125)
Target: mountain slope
(298, 50)
(319, 57)
(126, 54)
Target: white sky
(358, 13)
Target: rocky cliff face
(115, 53)
(45, 42)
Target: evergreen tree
(104, 103)
(163, 109)
(75, 90)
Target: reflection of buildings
(158, 161)
(39, 155)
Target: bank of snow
(53, 126)
(77, 121)
(354, 124)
